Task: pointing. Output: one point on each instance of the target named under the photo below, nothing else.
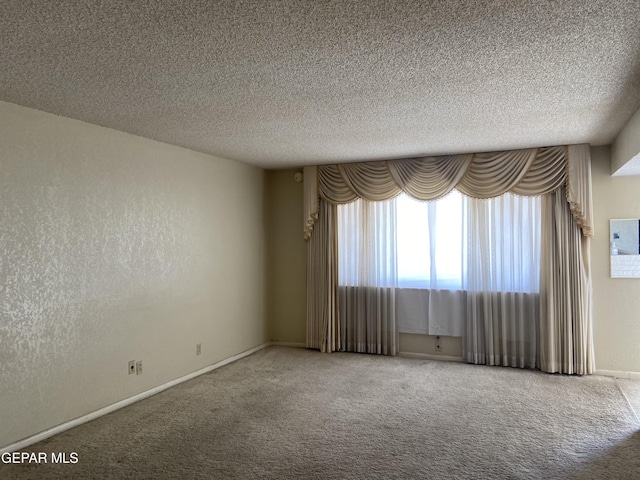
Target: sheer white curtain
(502, 281)
(430, 265)
(469, 267)
(457, 266)
(367, 276)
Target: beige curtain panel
(561, 175)
(322, 283)
(566, 333)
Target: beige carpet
(631, 389)
(293, 413)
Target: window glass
(430, 230)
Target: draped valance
(529, 172)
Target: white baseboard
(619, 374)
(141, 396)
(290, 344)
(124, 403)
(430, 356)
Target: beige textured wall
(626, 144)
(426, 344)
(287, 258)
(616, 301)
(114, 248)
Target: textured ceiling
(287, 83)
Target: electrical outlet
(199, 349)
(132, 367)
(438, 344)
(139, 368)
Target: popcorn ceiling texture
(294, 82)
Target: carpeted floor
(287, 413)
(631, 389)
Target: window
(454, 243)
(430, 244)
